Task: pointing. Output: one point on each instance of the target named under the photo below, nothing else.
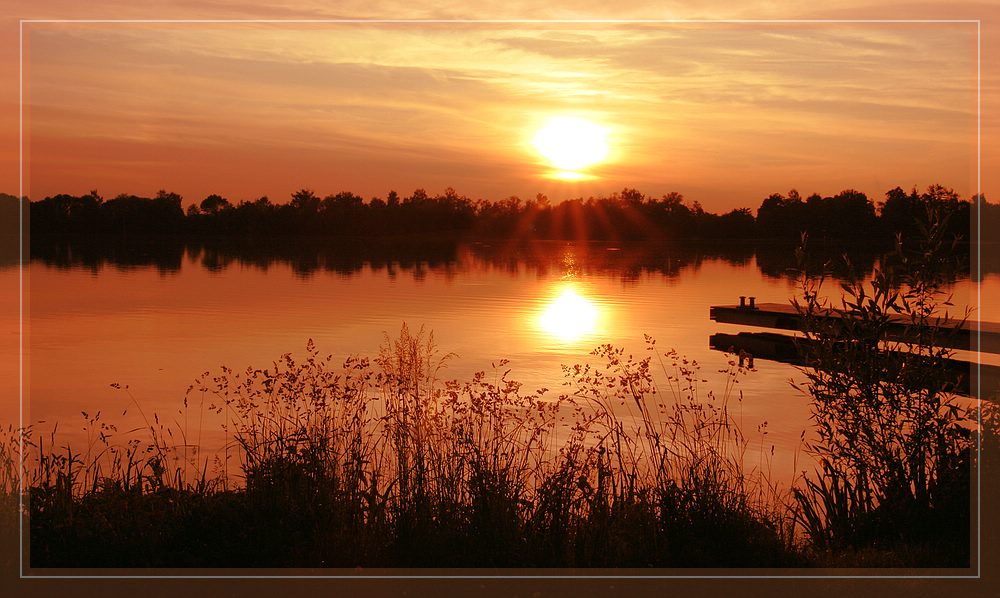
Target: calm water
(157, 320)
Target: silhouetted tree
(213, 204)
(782, 217)
(305, 201)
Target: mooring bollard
(752, 301)
(743, 301)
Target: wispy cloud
(457, 104)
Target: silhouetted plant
(664, 453)
(384, 464)
(893, 444)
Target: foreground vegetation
(896, 450)
(377, 464)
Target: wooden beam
(786, 349)
(951, 333)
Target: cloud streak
(372, 107)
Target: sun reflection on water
(569, 316)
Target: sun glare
(570, 175)
(571, 143)
(569, 317)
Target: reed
(382, 463)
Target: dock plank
(772, 346)
(952, 333)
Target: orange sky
(723, 113)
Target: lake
(156, 317)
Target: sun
(569, 317)
(571, 144)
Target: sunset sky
(723, 113)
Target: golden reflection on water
(569, 316)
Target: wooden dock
(953, 334)
(785, 349)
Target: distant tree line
(628, 215)
(123, 215)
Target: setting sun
(571, 143)
(569, 317)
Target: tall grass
(10, 495)
(664, 451)
(382, 463)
